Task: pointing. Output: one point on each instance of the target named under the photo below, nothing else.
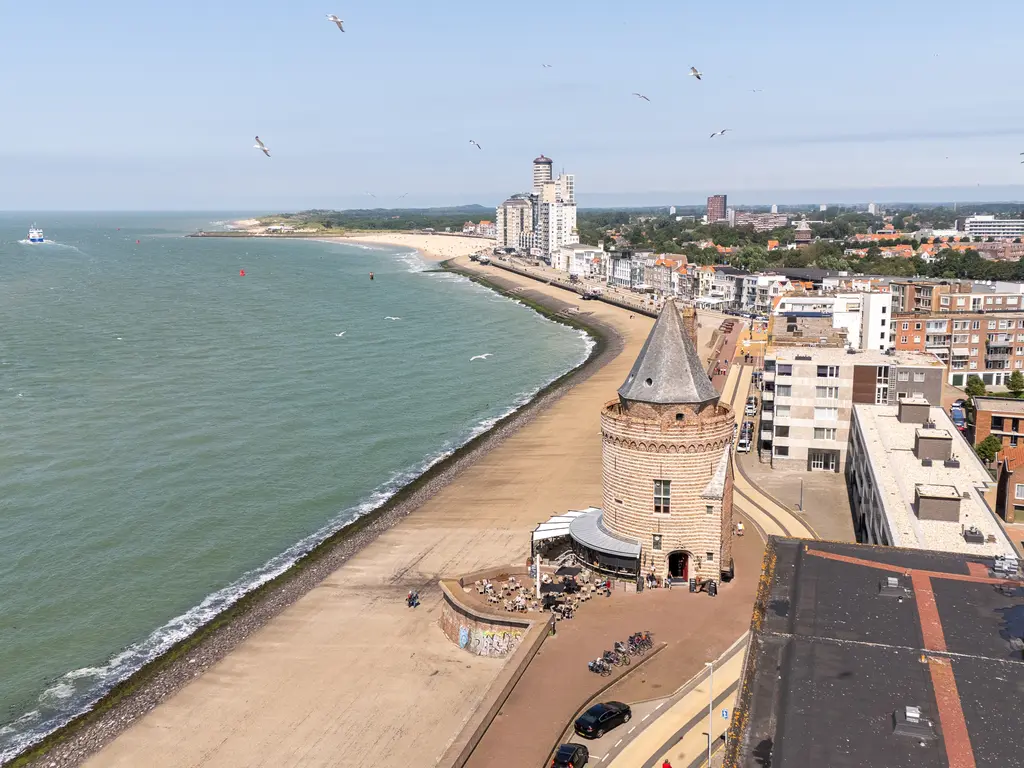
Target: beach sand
(432, 247)
(348, 675)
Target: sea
(174, 433)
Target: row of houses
(483, 229)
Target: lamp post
(711, 703)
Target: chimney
(690, 324)
(913, 411)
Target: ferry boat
(35, 235)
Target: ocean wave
(78, 691)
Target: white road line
(604, 758)
(659, 706)
(631, 730)
(645, 717)
(617, 744)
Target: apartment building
(761, 222)
(716, 208)
(809, 392)
(990, 226)
(988, 345)
(514, 223)
(579, 259)
(915, 483)
(1001, 417)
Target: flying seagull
(640, 96)
(546, 66)
(755, 90)
(339, 335)
(480, 357)
(336, 20)
(402, 195)
(389, 317)
(260, 145)
(695, 73)
(475, 144)
(372, 195)
(720, 133)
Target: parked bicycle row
(637, 645)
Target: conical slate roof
(668, 369)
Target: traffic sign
(725, 714)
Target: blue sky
(126, 105)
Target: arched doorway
(679, 565)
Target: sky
(117, 105)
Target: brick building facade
(666, 450)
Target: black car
(601, 718)
(571, 756)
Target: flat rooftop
(999, 405)
(838, 355)
(897, 473)
(832, 660)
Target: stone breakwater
(131, 700)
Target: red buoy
(241, 273)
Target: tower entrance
(679, 565)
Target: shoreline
(126, 702)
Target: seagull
(475, 144)
(389, 317)
(640, 96)
(480, 357)
(720, 133)
(755, 90)
(546, 66)
(339, 335)
(260, 145)
(336, 20)
(371, 195)
(695, 73)
(402, 195)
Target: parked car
(571, 756)
(748, 427)
(601, 718)
(751, 409)
(959, 417)
(743, 446)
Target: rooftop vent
(1005, 565)
(929, 424)
(891, 588)
(973, 535)
(908, 721)
(966, 495)
(913, 411)
(926, 462)
(953, 463)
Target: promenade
(348, 676)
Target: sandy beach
(332, 679)
(433, 247)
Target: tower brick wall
(643, 443)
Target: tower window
(662, 497)
(679, 417)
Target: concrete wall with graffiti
(477, 632)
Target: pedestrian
(668, 581)
(666, 764)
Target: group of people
(652, 581)
(412, 599)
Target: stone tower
(666, 451)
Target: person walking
(666, 764)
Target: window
(906, 327)
(975, 325)
(782, 450)
(782, 411)
(903, 376)
(785, 369)
(884, 322)
(709, 509)
(824, 433)
(975, 338)
(991, 325)
(711, 557)
(917, 326)
(828, 371)
(826, 414)
(662, 496)
(918, 395)
(903, 339)
(1019, 491)
(884, 308)
(997, 423)
(973, 366)
(784, 390)
(656, 541)
(782, 431)
(918, 376)
(974, 352)
(917, 339)
(828, 393)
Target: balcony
(769, 375)
(1002, 356)
(768, 396)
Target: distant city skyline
(103, 114)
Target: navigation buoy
(241, 273)
(371, 275)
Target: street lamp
(711, 703)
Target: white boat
(35, 235)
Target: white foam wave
(78, 690)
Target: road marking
(631, 730)
(645, 717)
(659, 706)
(617, 744)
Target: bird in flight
(261, 146)
(719, 133)
(640, 96)
(475, 144)
(546, 66)
(695, 73)
(372, 195)
(755, 90)
(339, 335)
(480, 357)
(389, 317)
(402, 195)
(332, 18)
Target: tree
(975, 386)
(1016, 383)
(988, 448)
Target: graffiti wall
(479, 633)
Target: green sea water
(172, 433)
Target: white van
(743, 446)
